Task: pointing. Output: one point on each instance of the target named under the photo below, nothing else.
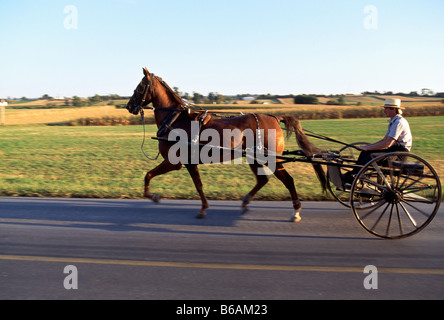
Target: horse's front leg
(194, 173)
(261, 180)
(163, 168)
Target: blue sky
(230, 46)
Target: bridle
(148, 90)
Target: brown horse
(171, 113)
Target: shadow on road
(172, 216)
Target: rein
(142, 114)
(149, 88)
(322, 137)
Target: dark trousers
(366, 156)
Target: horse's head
(143, 95)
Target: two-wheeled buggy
(393, 196)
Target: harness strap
(201, 120)
(167, 124)
(260, 146)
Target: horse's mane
(170, 91)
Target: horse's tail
(292, 124)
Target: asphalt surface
(135, 249)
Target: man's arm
(385, 143)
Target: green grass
(106, 162)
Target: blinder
(144, 88)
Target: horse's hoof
(201, 215)
(155, 198)
(296, 218)
(245, 201)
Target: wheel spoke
(376, 207)
(373, 183)
(402, 188)
(380, 217)
(425, 214)
(408, 215)
(399, 220)
(381, 175)
(417, 189)
(387, 231)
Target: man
(397, 138)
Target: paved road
(134, 249)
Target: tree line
(217, 98)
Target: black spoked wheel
(335, 185)
(396, 195)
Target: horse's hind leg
(288, 181)
(194, 173)
(163, 168)
(261, 180)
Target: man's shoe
(348, 178)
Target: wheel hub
(392, 196)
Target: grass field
(106, 162)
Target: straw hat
(393, 103)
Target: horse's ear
(145, 72)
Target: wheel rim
(396, 195)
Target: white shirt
(399, 129)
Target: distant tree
(95, 99)
(186, 96)
(220, 98)
(333, 102)
(212, 97)
(341, 100)
(228, 99)
(305, 99)
(78, 102)
(46, 97)
(197, 98)
(114, 96)
(338, 102)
